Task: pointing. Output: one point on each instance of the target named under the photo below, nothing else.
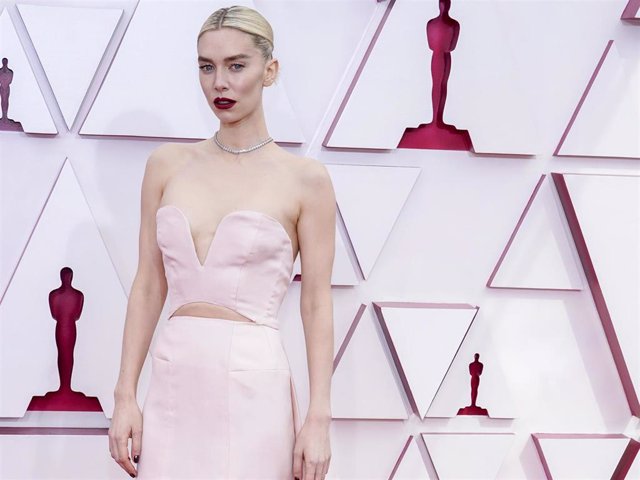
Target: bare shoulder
(315, 183)
(307, 169)
(314, 173)
(167, 153)
(166, 158)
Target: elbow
(320, 301)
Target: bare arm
(316, 238)
(149, 288)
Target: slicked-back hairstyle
(245, 19)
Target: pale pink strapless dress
(221, 402)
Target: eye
(204, 68)
(237, 64)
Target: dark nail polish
(132, 475)
(136, 458)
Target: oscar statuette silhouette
(475, 369)
(6, 77)
(442, 37)
(65, 303)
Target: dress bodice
(247, 268)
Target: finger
(136, 445)
(123, 456)
(309, 470)
(320, 471)
(112, 446)
(297, 464)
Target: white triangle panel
(81, 36)
(426, 339)
(343, 330)
(364, 384)
(156, 92)
(607, 123)
(411, 464)
(494, 393)
(608, 213)
(540, 253)
(26, 102)
(33, 172)
(552, 71)
(476, 456)
(57, 456)
(402, 41)
(499, 122)
(371, 199)
(580, 457)
(65, 236)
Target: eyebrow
(240, 56)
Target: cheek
(250, 84)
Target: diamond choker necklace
(240, 150)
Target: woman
(222, 222)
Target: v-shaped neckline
(187, 223)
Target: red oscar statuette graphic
(475, 369)
(442, 37)
(65, 303)
(6, 77)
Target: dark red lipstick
(223, 103)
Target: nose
(220, 82)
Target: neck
(244, 133)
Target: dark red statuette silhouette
(6, 77)
(65, 303)
(475, 369)
(442, 36)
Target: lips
(223, 102)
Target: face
(231, 66)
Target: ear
(271, 72)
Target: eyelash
(202, 67)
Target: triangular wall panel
(424, 339)
(26, 102)
(467, 455)
(33, 172)
(81, 37)
(603, 214)
(65, 236)
(503, 126)
(540, 253)
(410, 464)
(371, 198)
(363, 370)
(585, 456)
(173, 105)
(606, 122)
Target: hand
(126, 423)
(312, 450)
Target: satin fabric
(221, 403)
(247, 268)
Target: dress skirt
(221, 403)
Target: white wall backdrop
(524, 249)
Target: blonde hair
(244, 19)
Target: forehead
(225, 42)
